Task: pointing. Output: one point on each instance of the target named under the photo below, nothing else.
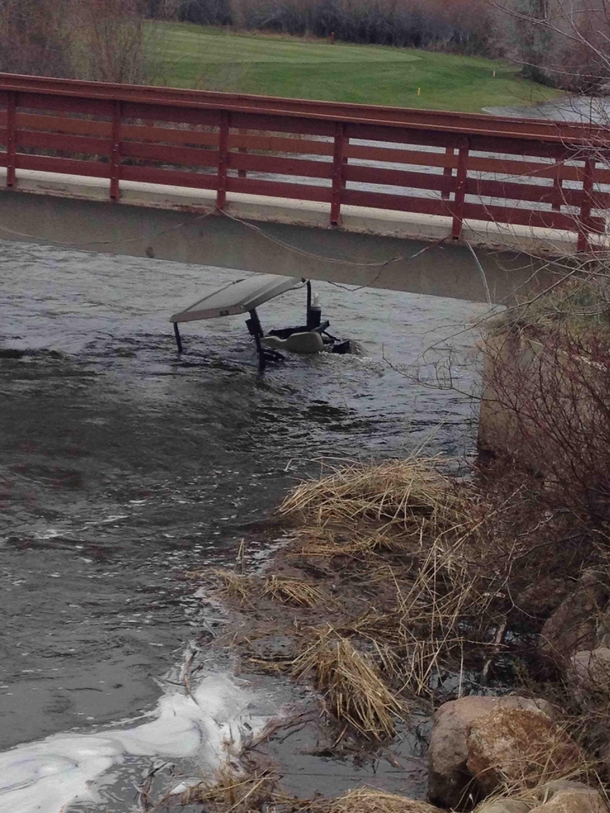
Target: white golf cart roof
(241, 296)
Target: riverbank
(125, 467)
(209, 58)
(403, 592)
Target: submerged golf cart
(245, 296)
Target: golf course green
(187, 55)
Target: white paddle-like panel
(238, 297)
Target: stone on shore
(518, 746)
(569, 797)
(450, 780)
(573, 626)
(504, 806)
(542, 597)
(589, 674)
(558, 796)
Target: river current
(124, 466)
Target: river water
(123, 467)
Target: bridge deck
(538, 241)
(263, 235)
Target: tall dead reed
(353, 690)
(411, 534)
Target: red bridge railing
(461, 166)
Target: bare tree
(456, 25)
(111, 44)
(562, 42)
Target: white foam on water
(45, 776)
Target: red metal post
(460, 189)
(338, 177)
(242, 173)
(447, 172)
(223, 159)
(584, 220)
(11, 138)
(557, 188)
(115, 151)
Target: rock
(559, 796)
(504, 806)
(518, 746)
(449, 778)
(573, 625)
(564, 796)
(573, 802)
(589, 674)
(550, 789)
(602, 635)
(542, 597)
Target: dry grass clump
(371, 800)
(230, 790)
(235, 586)
(435, 608)
(409, 493)
(326, 542)
(288, 590)
(410, 591)
(427, 579)
(259, 791)
(353, 689)
(292, 591)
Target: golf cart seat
(303, 343)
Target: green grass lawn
(216, 59)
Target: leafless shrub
(545, 402)
(105, 40)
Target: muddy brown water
(123, 466)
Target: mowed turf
(217, 59)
